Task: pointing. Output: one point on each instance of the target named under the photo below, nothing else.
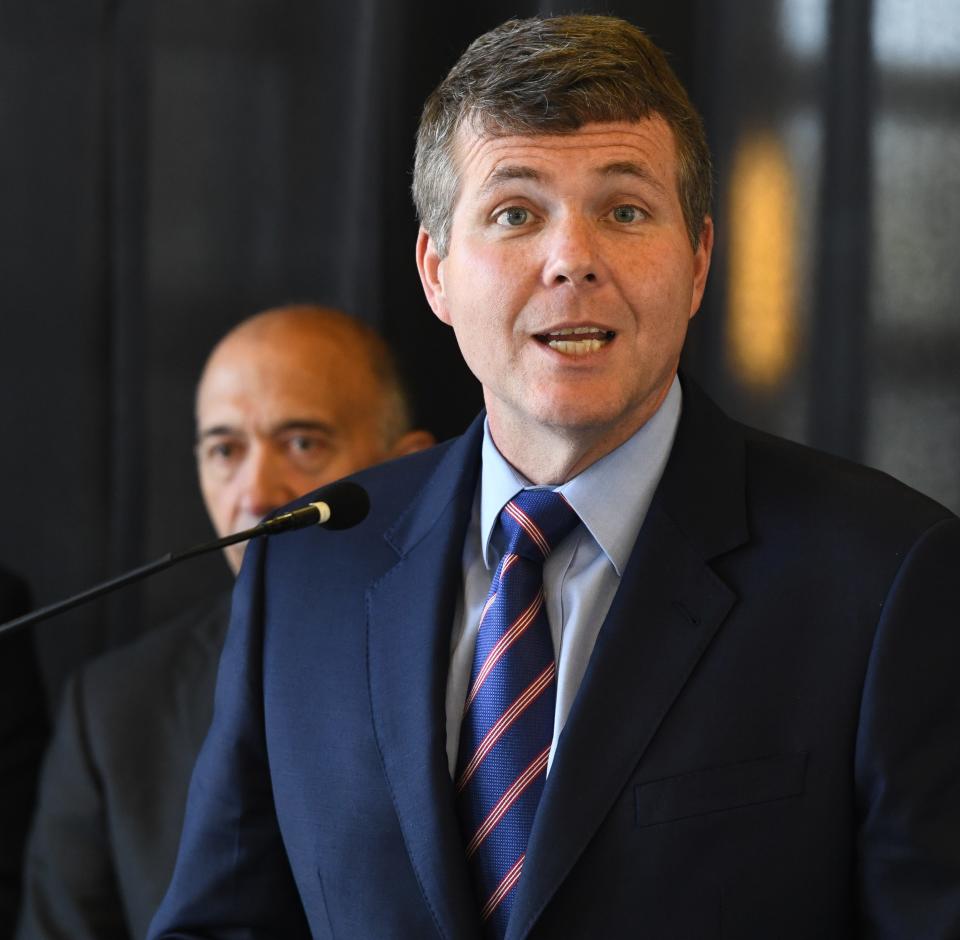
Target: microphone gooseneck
(340, 505)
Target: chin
(578, 416)
(578, 401)
(583, 415)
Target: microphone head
(348, 503)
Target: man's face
(570, 277)
(279, 414)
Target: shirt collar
(634, 468)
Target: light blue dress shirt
(582, 573)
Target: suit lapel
(668, 609)
(665, 614)
(410, 614)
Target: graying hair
(552, 75)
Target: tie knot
(535, 521)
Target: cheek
(353, 456)
(210, 491)
(297, 483)
(221, 507)
(486, 309)
(488, 272)
(661, 298)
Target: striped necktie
(509, 710)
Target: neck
(553, 454)
(551, 457)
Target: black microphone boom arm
(338, 506)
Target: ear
(428, 264)
(411, 442)
(701, 264)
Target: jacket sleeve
(232, 878)
(70, 888)
(908, 750)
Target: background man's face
(280, 413)
(580, 231)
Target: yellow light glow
(761, 302)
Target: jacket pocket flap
(719, 788)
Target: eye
(301, 444)
(222, 451)
(627, 214)
(309, 452)
(513, 217)
(220, 457)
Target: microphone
(340, 505)
(344, 504)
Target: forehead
(268, 382)
(590, 151)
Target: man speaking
(610, 664)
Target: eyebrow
(503, 174)
(294, 424)
(629, 168)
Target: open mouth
(577, 340)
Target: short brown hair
(550, 75)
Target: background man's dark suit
(764, 743)
(23, 734)
(130, 727)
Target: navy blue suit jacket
(764, 744)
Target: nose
(572, 253)
(262, 487)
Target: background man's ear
(411, 442)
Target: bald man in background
(289, 400)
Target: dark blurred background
(168, 167)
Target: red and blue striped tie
(508, 714)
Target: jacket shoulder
(825, 493)
(164, 678)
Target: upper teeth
(577, 340)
